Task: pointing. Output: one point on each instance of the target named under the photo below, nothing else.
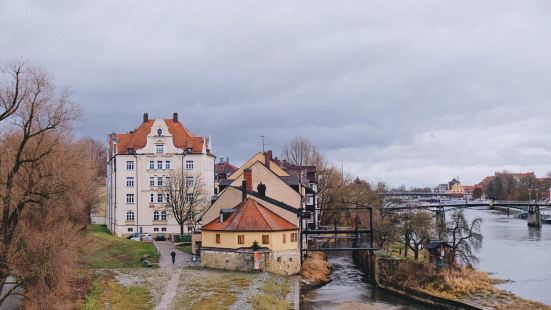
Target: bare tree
(186, 197)
(15, 90)
(301, 152)
(98, 152)
(45, 185)
(464, 237)
(417, 226)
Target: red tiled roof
(224, 167)
(250, 215)
(182, 137)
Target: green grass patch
(218, 292)
(105, 290)
(102, 250)
(272, 296)
(92, 301)
(185, 248)
(268, 302)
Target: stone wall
(240, 260)
(283, 262)
(280, 262)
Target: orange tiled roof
(182, 137)
(250, 215)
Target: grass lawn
(102, 250)
(105, 289)
(272, 296)
(210, 290)
(185, 248)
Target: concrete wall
(228, 240)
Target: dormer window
(159, 132)
(159, 149)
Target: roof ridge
(258, 208)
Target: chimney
(221, 159)
(248, 176)
(268, 158)
(145, 118)
(175, 117)
(261, 189)
(227, 159)
(243, 190)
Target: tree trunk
(181, 229)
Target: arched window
(156, 215)
(163, 216)
(130, 215)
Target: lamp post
(530, 194)
(537, 194)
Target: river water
(511, 250)
(348, 284)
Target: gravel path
(242, 301)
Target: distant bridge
(521, 205)
(417, 194)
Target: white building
(138, 164)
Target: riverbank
(464, 288)
(315, 271)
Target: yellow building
(455, 187)
(227, 241)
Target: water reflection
(534, 233)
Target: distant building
(222, 170)
(456, 188)
(441, 189)
(139, 163)
(468, 191)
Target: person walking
(173, 254)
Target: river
(348, 285)
(511, 250)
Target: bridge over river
(532, 210)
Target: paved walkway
(165, 262)
(165, 247)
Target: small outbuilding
(439, 254)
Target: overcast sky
(410, 92)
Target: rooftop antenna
(264, 145)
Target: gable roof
(181, 137)
(250, 215)
(261, 158)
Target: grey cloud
(413, 92)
